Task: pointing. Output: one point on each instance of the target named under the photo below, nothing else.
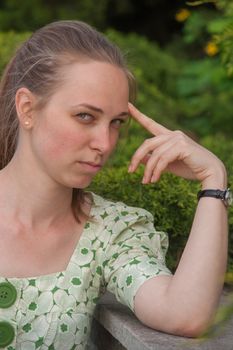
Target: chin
(81, 184)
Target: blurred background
(177, 51)
(182, 56)
(172, 49)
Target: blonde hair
(36, 65)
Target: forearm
(184, 303)
(197, 283)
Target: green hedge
(172, 201)
(194, 94)
(8, 44)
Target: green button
(7, 334)
(8, 294)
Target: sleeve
(136, 253)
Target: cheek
(61, 142)
(56, 143)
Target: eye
(85, 117)
(117, 123)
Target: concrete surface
(115, 327)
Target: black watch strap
(211, 193)
(224, 195)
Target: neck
(33, 199)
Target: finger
(168, 157)
(148, 123)
(160, 168)
(145, 150)
(156, 155)
(145, 159)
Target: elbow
(192, 322)
(192, 328)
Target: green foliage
(195, 95)
(144, 17)
(22, 16)
(222, 31)
(32, 14)
(206, 95)
(222, 148)
(8, 44)
(225, 5)
(172, 202)
(203, 87)
(195, 28)
(220, 27)
(225, 41)
(156, 72)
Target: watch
(225, 195)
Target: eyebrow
(99, 110)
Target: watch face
(229, 197)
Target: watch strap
(212, 193)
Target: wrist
(225, 195)
(216, 181)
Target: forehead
(96, 81)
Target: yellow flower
(182, 15)
(211, 49)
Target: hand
(175, 152)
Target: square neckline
(63, 272)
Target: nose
(101, 140)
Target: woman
(63, 99)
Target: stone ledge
(115, 327)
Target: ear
(24, 104)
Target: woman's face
(74, 134)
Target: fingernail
(130, 168)
(144, 181)
(153, 179)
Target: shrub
(8, 44)
(172, 202)
(222, 148)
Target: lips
(90, 166)
(94, 164)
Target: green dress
(119, 250)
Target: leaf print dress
(119, 250)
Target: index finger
(149, 124)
